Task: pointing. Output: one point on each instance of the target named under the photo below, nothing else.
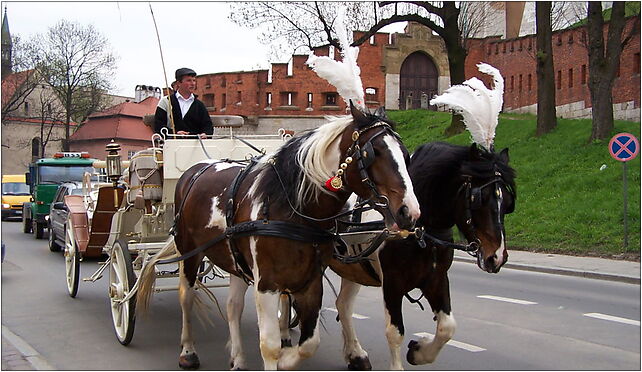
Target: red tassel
(328, 185)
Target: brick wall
(515, 58)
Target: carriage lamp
(114, 167)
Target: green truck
(43, 178)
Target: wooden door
(418, 77)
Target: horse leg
(267, 306)
(186, 292)
(394, 325)
(353, 353)
(235, 304)
(308, 304)
(284, 321)
(425, 351)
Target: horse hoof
(286, 343)
(360, 364)
(412, 347)
(189, 361)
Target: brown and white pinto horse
(456, 185)
(292, 178)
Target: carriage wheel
(72, 259)
(121, 280)
(39, 229)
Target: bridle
(364, 155)
(473, 200)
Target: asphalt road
(514, 320)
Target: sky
(198, 35)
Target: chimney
(144, 91)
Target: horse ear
(503, 156)
(474, 152)
(381, 113)
(359, 117)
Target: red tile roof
(12, 82)
(124, 121)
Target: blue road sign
(624, 147)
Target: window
(208, 82)
(570, 38)
(570, 78)
(290, 67)
(130, 153)
(583, 77)
(331, 51)
(268, 99)
(26, 108)
(372, 40)
(512, 46)
(238, 97)
(504, 48)
(520, 82)
(223, 100)
(559, 79)
(496, 48)
(530, 82)
(310, 100)
(530, 43)
(559, 39)
(288, 98)
(371, 94)
(520, 45)
(512, 83)
(208, 100)
(331, 99)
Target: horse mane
(434, 163)
(304, 164)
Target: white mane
(478, 105)
(319, 158)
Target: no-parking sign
(624, 147)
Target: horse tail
(147, 278)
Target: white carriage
(142, 214)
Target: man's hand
(203, 135)
(182, 132)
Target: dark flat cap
(184, 71)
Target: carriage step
(91, 279)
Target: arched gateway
(418, 76)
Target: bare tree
(604, 62)
(50, 113)
(18, 86)
(546, 118)
(75, 60)
(287, 25)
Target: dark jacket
(197, 119)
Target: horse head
(374, 166)
(487, 194)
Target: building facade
(405, 70)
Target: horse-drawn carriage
(129, 219)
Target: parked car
(15, 191)
(57, 219)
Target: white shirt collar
(180, 96)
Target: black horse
(467, 187)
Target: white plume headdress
(344, 75)
(478, 105)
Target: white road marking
(461, 345)
(506, 299)
(354, 315)
(613, 318)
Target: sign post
(624, 147)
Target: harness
(364, 156)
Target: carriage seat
(146, 176)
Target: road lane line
(613, 318)
(506, 299)
(354, 315)
(457, 344)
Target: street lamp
(114, 167)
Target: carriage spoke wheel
(121, 280)
(72, 259)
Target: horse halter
(473, 201)
(364, 156)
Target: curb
(563, 271)
(30, 354)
